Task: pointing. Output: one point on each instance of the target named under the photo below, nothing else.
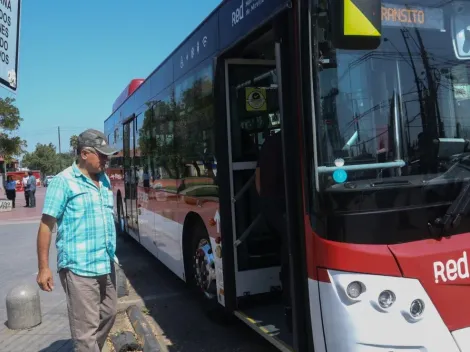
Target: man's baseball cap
(97, 140)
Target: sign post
(9, 42)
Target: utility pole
(60, 152)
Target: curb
(142, 329)
(125, 342)
(21, 221)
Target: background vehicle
(47, 180)
(371, 101)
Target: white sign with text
(5, 205)
(9, 42)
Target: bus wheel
(121, 231)
(202, 276)
(203, 265)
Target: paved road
(18, 263)
(19, 266)
(21, 214)
(176, 311)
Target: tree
(10, 121)
(45, 159)
(65, 160)
(74, 143)
(173, 129)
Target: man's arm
(54, 205)
(44, 278)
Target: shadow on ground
(59, 346)
(177, 311)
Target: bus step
(269, 329)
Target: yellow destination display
(255, 99)
(361, 18)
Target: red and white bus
(372, 99)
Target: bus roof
(227, 23)
(130, 88)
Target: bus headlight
(354, 289)
(386, 299)
(417, 308)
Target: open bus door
(253, 114)
(261, 98)
(130, 176)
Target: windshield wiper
(460, 206)
(453, 216)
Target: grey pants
(92, 306)
(32, 198)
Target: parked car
(47, 180)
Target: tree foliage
(175, 130)
(10, 121)
(45, 159)
(74, 143)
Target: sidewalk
(19, 266)
(18, 263)
(21, 214)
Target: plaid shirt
(86, 237)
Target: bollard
(23, 307)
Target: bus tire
(199, 265)
(120, 225)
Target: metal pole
(60, 152)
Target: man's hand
(45, 280)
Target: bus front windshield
(398, 115)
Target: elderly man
(80, 201)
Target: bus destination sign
(394, 15)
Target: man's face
(95, 162)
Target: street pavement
(181, 323)
(175, 311)
(21, 214)
(18, 263)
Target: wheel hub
(204, 268)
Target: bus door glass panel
(134, 174)
(158, 150)
(130, 174)
(253, 115)
(126, 163)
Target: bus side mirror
(356, 24)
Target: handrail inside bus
(374, 166)
(247, 232)
(244, 188)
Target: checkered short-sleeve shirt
(86, 234)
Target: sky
(76, 57)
